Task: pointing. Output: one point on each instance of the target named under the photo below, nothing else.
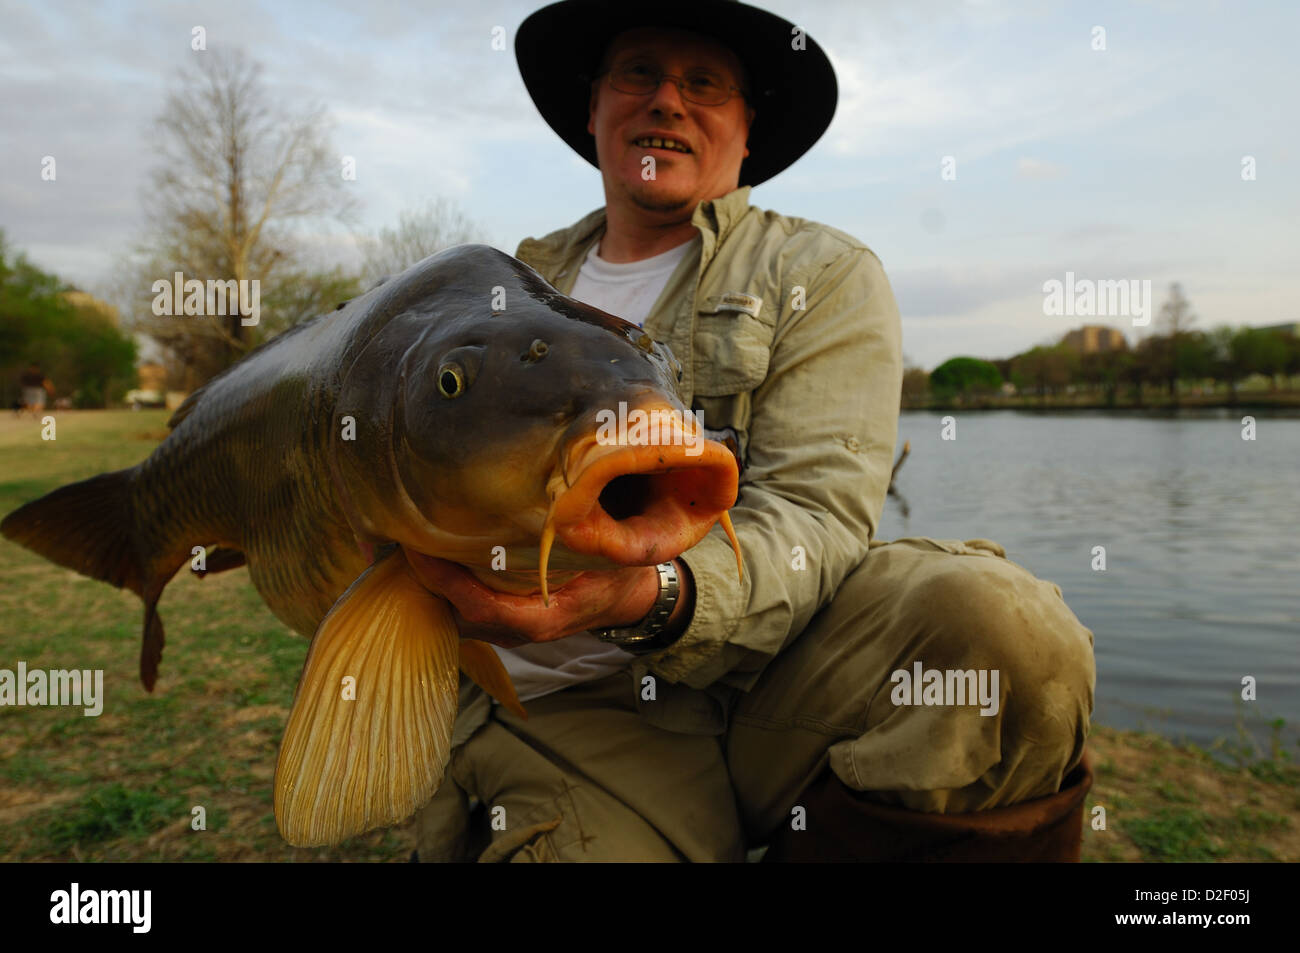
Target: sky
(1126, 162)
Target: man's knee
(995, 628)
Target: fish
(459, 410)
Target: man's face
(715, 135)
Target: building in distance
(1095, 339)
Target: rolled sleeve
(821, 442)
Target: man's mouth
(655, 142)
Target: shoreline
(1283, 400)
(1165, 802)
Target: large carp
(459, 410)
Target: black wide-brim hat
(793, 90)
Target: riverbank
(1166, 802)
(1245, 402)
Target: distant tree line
(75, 340)
(1174, 358)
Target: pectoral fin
(370, 730)
(483, 666)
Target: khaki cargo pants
(590, 776)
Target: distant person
(35, 387)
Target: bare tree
(236, 173)
(1176, 318)
(420, 232)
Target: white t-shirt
(628, 290)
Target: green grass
(1174, 834)
(122, 786)
(108, 813)
(1167, 802)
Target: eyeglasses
(699, 86)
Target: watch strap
(648, 635)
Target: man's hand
(620, 597)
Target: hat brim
(793, 90)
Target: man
(674, 712)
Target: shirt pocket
(733, 345)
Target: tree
(1194, 356)
(964, 375)
(302, 295)
(96, 362)
(29, 297)
(1044, 369)
(1176, 318)
(1100, 371)
(75, 340)
(1262, 352)
(236, 174)
(1226, 357)
(1150, 359)
(1292, 367)
(916, 384)
(420, 233)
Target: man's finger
(439, 575)
(475, 601)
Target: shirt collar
(713, 217)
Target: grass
(1166, 802)
(124, 785)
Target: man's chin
(661, 204)
(661, 200)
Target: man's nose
(668, 97)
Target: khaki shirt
(788, 334)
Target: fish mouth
(640, 505)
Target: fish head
(522, 431)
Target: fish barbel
(455, 411)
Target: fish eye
(451, 380)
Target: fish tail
(90, 527)
(84, 526)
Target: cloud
(958, 290)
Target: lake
(1202, 580)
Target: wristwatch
(649, 634)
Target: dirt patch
(17, 804)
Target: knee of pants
(1032, 658)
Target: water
(1202, 580)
